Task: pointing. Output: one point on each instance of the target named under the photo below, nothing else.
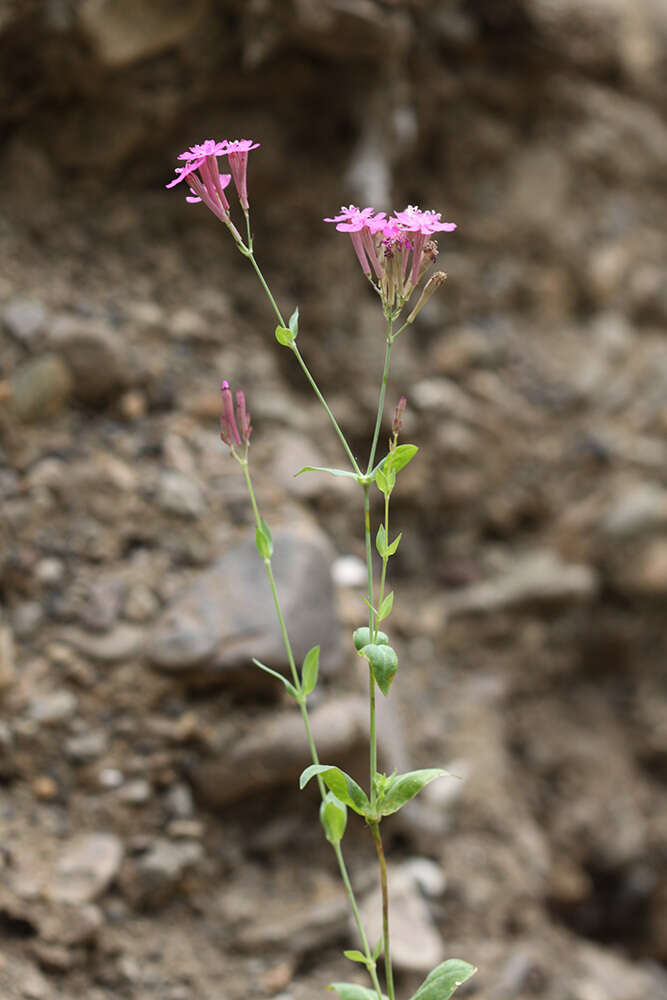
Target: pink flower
(237, 150)
(206, 184)
(360, 224)
(209, 147)
(420, 225)
(229, 431)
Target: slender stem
(334, 423)
(383, 389)
(357, 919)
(388, 972)
(371, 629)
(385, 559)
(243, 462)
(262, 280)
(272, 582)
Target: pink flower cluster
(383, 246)
(206, 183)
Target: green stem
(357, 919)
(371, 629)
(334, 423)
(243, 462)
(385, 559)
(272, 582)
(383, 389)
(388, 972)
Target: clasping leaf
(341, 784)
(405, 786)
(384, 664)
(444, 980)
(309, 670)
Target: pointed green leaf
(381, 542)
(351, 991)
(294, 323)
(284, 336)
(377, 950)
(405, 786)
(274, 673)
(385, 481)
(399, 458)
(356, 956)
(391, 549)
(444, 980)
(384, 664)
(333, 817)
(332, 472)
(263, 540)
(386, 606)
(341, 784)
(363, 636)
(309, 670)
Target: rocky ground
(154, 845)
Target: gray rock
(177, 494)
(92, 353)
(24, 319)
(124, 32)
(149, 879)
(86, 868)
(53, 708)
(122, 643)
(85, 747)
(40, 388)
(640, 507)
(227, 616)
(100, 604)
(26, 618)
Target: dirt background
(153, 842)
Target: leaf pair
(398, 789)
(309, 672)
(440, 984)
(287, 335)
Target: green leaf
(293, 323)
(274, 673)
(386, 606)
(309, 670)
(384, 664)
(333, 817)
(263, 540)
(377, 950)
(284, 336)
(356, 956)
(385, 481)
(405, 786)
(399, 458)
(363, 636)
(341, 784)
(391, 549)
(381, 542)
(443, 981)
(351, 991)
(332, 472)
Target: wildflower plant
(395, 253)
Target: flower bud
(397, 422)
(228, 430)
(431, 286)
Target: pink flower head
(229, 431)
(237, 150)
(206, 183)
(361, 224)
(420, 225)
(209, 147)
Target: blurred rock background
(532, 577)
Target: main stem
(371, 630)
(388, 971)
(383, 390)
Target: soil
(532, 576)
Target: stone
(178, 494)
(416, 945)
(27, 618)
(637, 508)
(86, 868)
(54, 708)
(156, 873)
(92, 353)
(24, 319)
(100, 604)
(227, 616)
(123, 32)
(86, 746)
(7, 658)
(141, 603)
(534, 579)
(40, 388)
(135, 792)
(123, 642)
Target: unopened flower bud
(397, 422)
(430, 255)
(228, 430)
(431, 286)
(244, 417)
